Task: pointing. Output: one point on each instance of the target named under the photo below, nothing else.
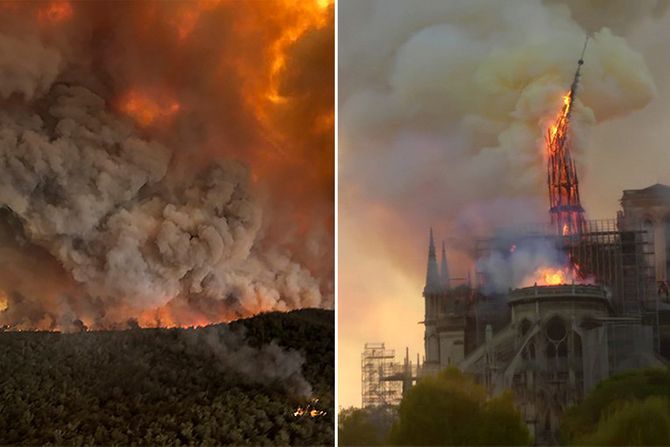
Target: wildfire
(146, 110)
(3, 301)
(252, 85)
(309, 410)
(311, 18)
(306, 15)
(55, 12)
(189, 14)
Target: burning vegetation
(173, 160)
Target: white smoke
(515, 265)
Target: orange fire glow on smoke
(306, 15)
(55, 12)
(251, 90)
(188, 15)
(146, 110)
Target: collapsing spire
(444, 269)
(565, 209)
(432, 275)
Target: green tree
(364, 426)
(450, 409)
(611, 394)
(638, 422)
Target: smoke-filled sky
(164, 162)
(443, 107)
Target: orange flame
(309, 410)
(55, 12)
(3, 301)
(554, 276)
(146, 110)
(308, 15)
(558, 129)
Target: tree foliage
(609, 395)
(151, 387)
(364, 426)
(636, 422)
(450, 409)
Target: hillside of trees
(172, 386)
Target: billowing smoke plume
(533, 261)
(445, 106)
(266, 364)
(162, 185)
(443, 111)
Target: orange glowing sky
(216, 80)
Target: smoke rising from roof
(443, 113)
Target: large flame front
(555, 276)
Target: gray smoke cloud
(131, 229)
(266, 364)
(444, 106)
(522, 264)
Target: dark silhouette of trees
(617, 402)
(154, 387)
(636, 422)
(450, 409)
(365, 426)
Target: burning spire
(566, 211)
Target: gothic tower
(444, 315)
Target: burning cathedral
(595, 304)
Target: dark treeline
(167, 386)
(631, 408)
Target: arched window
(524, 327)
(555, 329)
(556, 338)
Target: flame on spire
(567, 214)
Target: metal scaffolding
(382, 377)
(621, 260)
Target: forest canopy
(172, 386)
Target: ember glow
(145, 110)
(55, 12)
(191, 158)
(309, 410)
